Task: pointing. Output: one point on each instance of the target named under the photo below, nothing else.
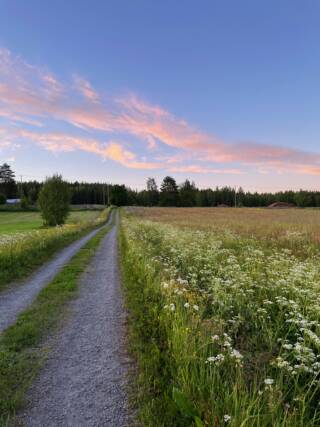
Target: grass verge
(148, 340)
(21, 254)
(224, 331)
(21, 352)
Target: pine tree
(169, 192)
(7, 181)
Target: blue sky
(222, 92)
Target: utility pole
(103, 195)
(108, 194)
(21, 193)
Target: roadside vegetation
(225, 326)
(20, 253)
(20, 222)
(21, 349)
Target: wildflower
(196, 307)
(236, 354)
(218, 358)
(186, 305)
(215, 337)
(268, 381)
(288, 346)
(226, 418)
(172, 307)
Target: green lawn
(17, 222)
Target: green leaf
(183, 403)
(198, 422)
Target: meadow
(224, 315)
(26, 244)
(13, 222)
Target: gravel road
(83, 382)
(19, 296)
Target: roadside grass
(21, 346)
(225, 331)
(21, 253)
(18, 222)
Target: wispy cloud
(33, 95)
(85, 88)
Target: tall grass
(225, 330)
(20, 253)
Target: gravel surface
(19, 296)
(84, 380)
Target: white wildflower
(236, 354)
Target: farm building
(13, 201)
(281, 205)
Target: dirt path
(83, 382)
(18, 297)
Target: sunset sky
(221, 92)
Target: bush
(54, 201)
(24, 203)
(2, 199)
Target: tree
(169, 192)
(153, 193)
(3, 199)
(187, 193)
(7, 181)
(54, 201)
(303, 199)
(119, 195)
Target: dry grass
(248, 222)
(225, 320)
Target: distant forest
(169, 193)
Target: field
(13, 222)
(225, 320)
(26, 244)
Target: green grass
(225, 331)
(21, 346)
(19, 222)
(21, 253)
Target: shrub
(2, 199)
(54, 201)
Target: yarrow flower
(268, 381)
(236, 354)
(214, 359)
(226, 418)
(186, 305)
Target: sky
(220, 92)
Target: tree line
(169, 193)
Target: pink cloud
(29, 93)
(63, 142)
(85, 88)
